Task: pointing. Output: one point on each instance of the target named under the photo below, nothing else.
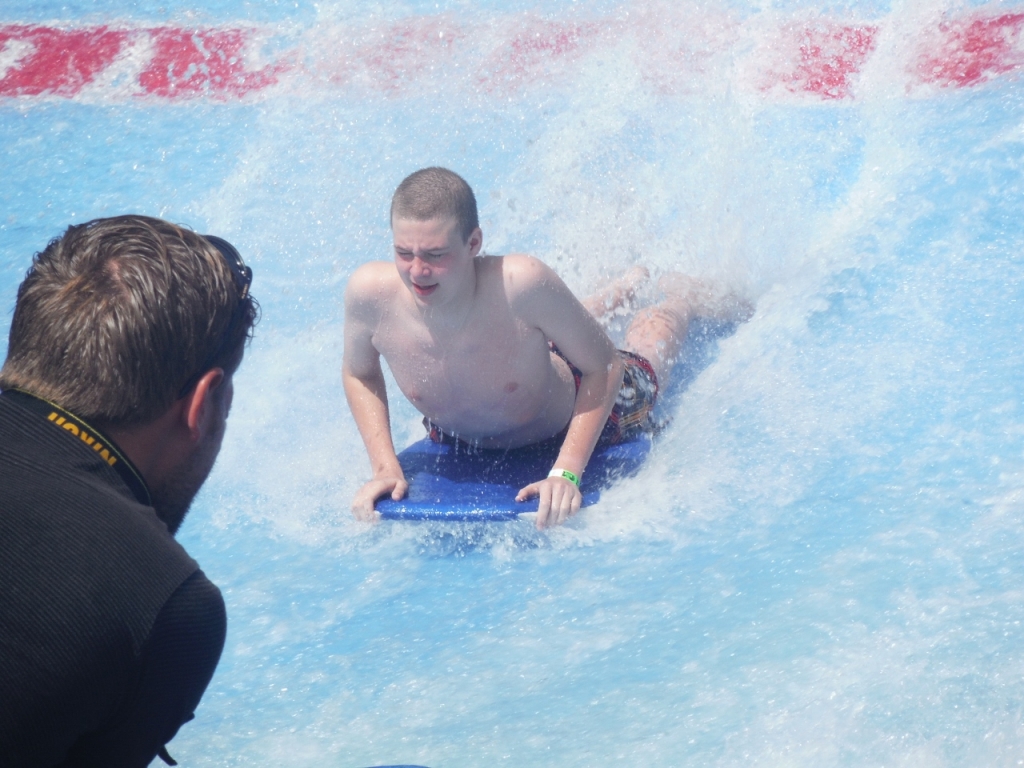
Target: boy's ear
(476, 241)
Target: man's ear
(198, 403)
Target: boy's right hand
(362, 504)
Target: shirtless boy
(494, 350)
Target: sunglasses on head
(242, 275)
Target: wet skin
(466, 339)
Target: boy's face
(432, 258)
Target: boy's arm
(550, 305)
(366, 392)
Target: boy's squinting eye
(408, 255)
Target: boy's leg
(657, 332)
(616, 294)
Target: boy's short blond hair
(435, 193)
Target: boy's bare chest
(488, 367)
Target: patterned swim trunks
(632, 414)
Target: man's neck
(149, 448)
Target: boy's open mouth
(424, 290)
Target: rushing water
(820, 565)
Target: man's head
(436, 193)
(118, 316)
(137, 326)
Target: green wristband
(565, 473)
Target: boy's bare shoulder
(523, 274)
(371, 285)
(531, 285)
(372, 277)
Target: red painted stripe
(973, 50)
(821, 59)
(537, 43)
(394, 57)
(182, 63)
(56, 61)
(828, 57)
(201, 63)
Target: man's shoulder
(54, 488)
(69, 533)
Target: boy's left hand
(559, 500)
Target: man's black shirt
(109, 632)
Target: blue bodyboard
(448, 483)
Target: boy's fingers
(577, 501)
(556, 503)
(527, 492)
(359, 502)
(564, 507)
(400, 490)
(544, 504)
(542, 520)
(553, 507)
(568, 503)
(362, 509)
(363, 504)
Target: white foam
(12, 53)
